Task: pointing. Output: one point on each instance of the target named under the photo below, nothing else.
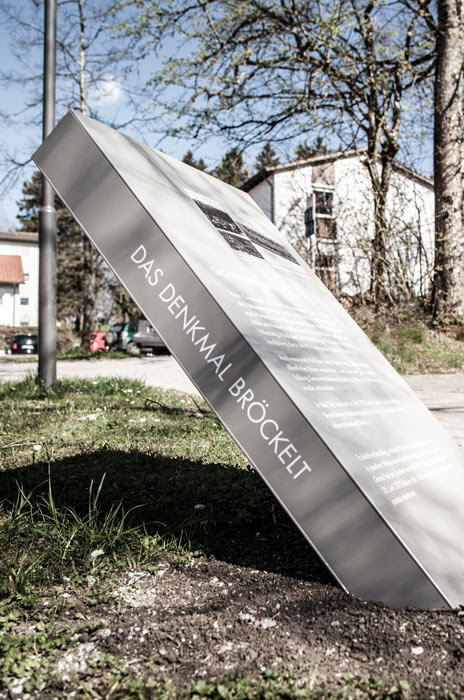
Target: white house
(337, 240)
(19, 278)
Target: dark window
(319, 216)
(26, 277)
(309, 222)
(324, 203)
(24, 301)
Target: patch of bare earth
(211, 619)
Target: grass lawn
(410, 342)
(72, 354)
(416, 349)
(103, 478)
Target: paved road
(442, 393)
(156, 370)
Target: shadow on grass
(217, 510)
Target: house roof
(300, 163)
(326, 158)
(11, 269)
(19, 236)
(414, 174)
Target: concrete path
(443, 394)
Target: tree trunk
(448, 281)
(380, 185)
(379, 247)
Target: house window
(319, 215)
(326, 269)
(26, 277)
(324, 202)
(24, 301)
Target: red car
(97, 342)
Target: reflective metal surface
(366, 472)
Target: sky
(22, 140)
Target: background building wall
(263, 196)
(410, 211)
(24, 314)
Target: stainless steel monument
(366, 472)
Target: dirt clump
(211, 619)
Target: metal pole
(47, 217)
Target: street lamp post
(47, 217)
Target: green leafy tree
(263, 70)
(267, 158)
(190, 159)
(305, 150)
(69, 248)
(120, 305)
(29, 204)
(231, 169)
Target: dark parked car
(119, 335)
(24, 344)
(146, 339)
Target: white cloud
(107, 92)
